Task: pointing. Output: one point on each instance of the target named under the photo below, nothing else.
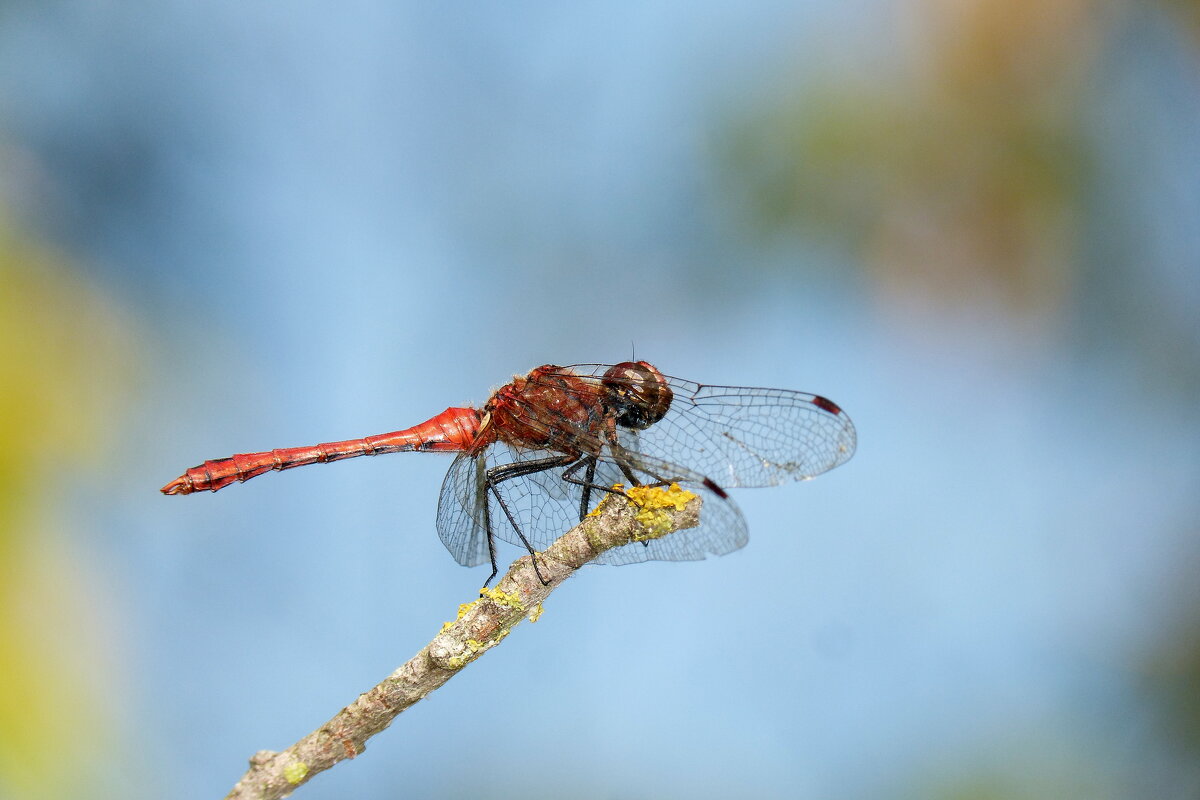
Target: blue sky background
(313, 223)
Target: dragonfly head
(637, 393)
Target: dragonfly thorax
(549, 409)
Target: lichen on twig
(480, 625)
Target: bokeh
(227, 227)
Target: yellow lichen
(462, 612)
(536, 613)
(513, 600)
(295, 772)
(657, 497)
(619, 488)
(655, 524)
(653, 502)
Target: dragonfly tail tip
(180, 485)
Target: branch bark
(644, 513)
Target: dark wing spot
(717, 490)
(825, 404)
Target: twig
(480, 626)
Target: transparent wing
(460, 520)
(544, 506)
(742, 436)
(722, 527)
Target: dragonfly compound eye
(638, 393)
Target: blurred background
(975, 224)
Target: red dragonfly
(543, 447)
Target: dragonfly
(531, 461)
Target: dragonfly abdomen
(453, 430)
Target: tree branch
(646, 513)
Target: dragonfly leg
(589, 478)
(588, 482)
(622, 460)
(492, 556)
(520, 535)
(627, 468)
(487, 525)
(497, 475)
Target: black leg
(492, 556)
(506, 472)
(625, 464)
(585, 501)
(589, 484)
(517, 528)
(497, 475)
(487, 524)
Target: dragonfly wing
(460, 518)
(740, 436)
(722, 527)
(540, 504)
(545, 506)
(744, 436)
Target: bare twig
(480, 626)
